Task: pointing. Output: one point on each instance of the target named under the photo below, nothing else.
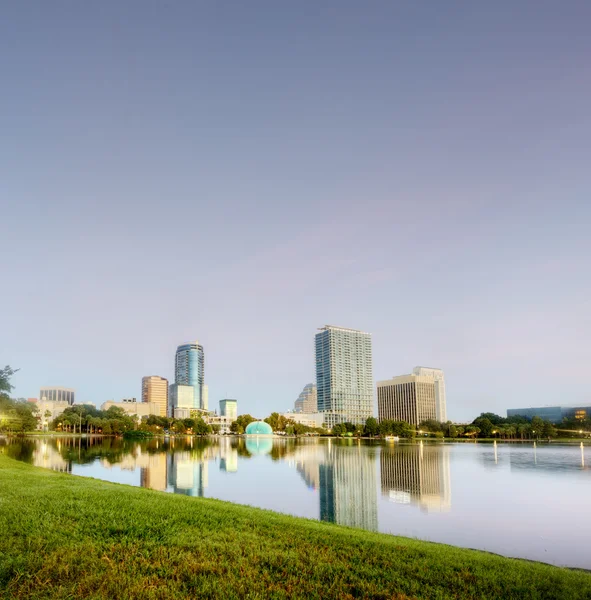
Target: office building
(440, 400)
(229, 409)
(307, 401)
(181, 400)
(155, 390)
(57, 394)
(409, 398)
(190, 370)
(344, 377)
(554, 414)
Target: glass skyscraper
(344, 377)
(190, 370)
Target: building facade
(229, 409)
(47, 411)
(141, 409)
(57, 394)
(554, 414)
(308, 419)
(190, 370)
(440, 400)
(181, 400)
(155, 390)
(409, 398)
(344, 376)
(307, 401)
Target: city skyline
(417, 170)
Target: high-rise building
(190, 369)
(409, 398)
(155, 389)
(229, 409)
(181, 399)
(440, 401)
(57, 394)
(307, 401)
(344, 376)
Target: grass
(70, 537)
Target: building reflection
(417, 474)
(228, 456)
(48, 456)
(345, 475)
(187, 474)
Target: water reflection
(417, 474)
(347, 482)
(396, 488)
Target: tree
(5, 374)
(548, 430)
(339, 429)
(431, 425)
(372, 427)
(537, 425)
(452, 431)
(493, 418)
(485, 426)
(242, 422)
(472, 431)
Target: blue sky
(243, 174)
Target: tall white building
(344, 377)
(439, 378)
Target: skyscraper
(409, 398)
(190, 370)
(440, 401)
(155, 389)
(344, 376)
(307, 401)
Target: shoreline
(84, 537)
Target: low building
(47, 411)
(220, 421)
(141, 409)
(308, 419)
(554, 414)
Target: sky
(244, 173)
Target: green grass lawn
(70, 537)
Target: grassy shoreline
(72, 537)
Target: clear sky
(244, 173)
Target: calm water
(512, 499)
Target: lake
(512, 499)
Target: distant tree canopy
(241, 423)
(16, 416)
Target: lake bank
(70, 537)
